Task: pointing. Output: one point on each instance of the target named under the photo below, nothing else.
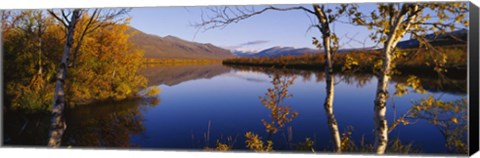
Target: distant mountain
(277, 52)
(458, 37)
(243, 53)
(174, 47)
(289, 51)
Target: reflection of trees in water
(176, 74)
(306, 74)
(25, 128)
(451, 119)
(429, 82)
(103, 124)
(359, 80)
(434, 84)
(108, 125)
(454, 140)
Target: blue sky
(272, 28)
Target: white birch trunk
(58, 126)
(380, 103)
(330, 91)
(380, 107)
(330, 79)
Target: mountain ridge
(175, 47)
(450, 38)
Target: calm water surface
(200, 104)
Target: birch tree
(57, 124)
(220, 17)
(391, 22)
(100, 18)
(69, 19)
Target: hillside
(459, 37)
(174, 47)
(278, 52)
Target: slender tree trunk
(330, 80)
(40, 32)
(380, 107)
(330, 92)
(58, 126)
(75, 53)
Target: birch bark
(57, 123)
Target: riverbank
(410, 61)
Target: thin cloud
(254, 43)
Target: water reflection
(176, 74)
(97, 125)
(228, 97)
(110, 125)
(429, 83)
(25, 128)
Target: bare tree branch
(225, 15)
(51, 12)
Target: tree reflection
(359, 80)
(107, 125)
(431, 83)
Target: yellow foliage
(254, 142)
(349, 63)
(106, 66)
(279, 114)
(152, 91)
(222, 147)
(449, 117)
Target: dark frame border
(473, 79)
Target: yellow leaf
(454, 120)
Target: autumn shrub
(105, 69)
(273, 100)
(255, 142)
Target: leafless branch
(51, 12)
(224, 16)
